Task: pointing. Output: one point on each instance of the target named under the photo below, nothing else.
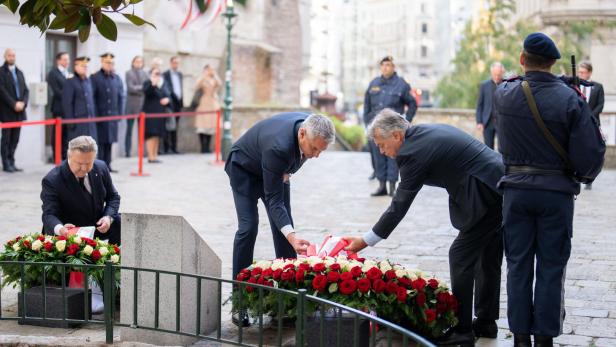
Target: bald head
(9, 56)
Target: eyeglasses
(157, 74)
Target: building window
(424, 51)
(424, 28)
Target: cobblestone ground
(331, 195)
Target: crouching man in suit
(80, 192)
(443, 156)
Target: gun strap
(546, 132)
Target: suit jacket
(107, 91)
(443, 156)
(266, 152)
(483, 112)
(64, 201)
(56, 80)
(596, 100)
(8, 94)
(77, 102)
(178, 102)
(134, 86)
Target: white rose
(264, 264)
(370, 262)
(16, 247)
(313, 260)
(277, 264)
(36, 245)
(115, 258)
(401, 273)
(87, 250)
(344, 264)
(28, 238)
(104, 251)
(366, 268)
(411, 275)
(398, 267)
(60, 245)
(77, 240)
(385, 266)
(48, 238)
(328, 261)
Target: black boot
(521, 340)
(485, 328)
(543, 341)
(381, 191)
(458, 339)
(392, 188)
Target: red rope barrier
(58, 140)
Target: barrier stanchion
(58, 141)
(141, 144)
(217, 139)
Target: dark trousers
(475, 259)
(248, 223)
(8, 145)
(104, 153)
(170, 142)
(204, 140)
(128, 138)
(537, 224)
(386, 168)
(114, 234)
(489, 133)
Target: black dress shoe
(8, 169)
(458, 339)
(16, 169)
(543, 341)
(392, 188)
(381, 191)
(485, 328)
(154, 161)
(113, 171)
(240, 319)
(521, 340)
(373, 176)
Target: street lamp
(226, 124)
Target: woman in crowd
(207, 87)
(157, 100)
(135, 77)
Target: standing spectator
(78, 102)
(157, 100)
(485, 114)
(107, 90)
(173, 79)
(56, 78)
(135, 77)
(207, 91)
(13, 102)
(595, 97)
(387, 91)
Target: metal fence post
(108, 279)
(299, 324)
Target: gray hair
(387, 121)
(497, 64)
(83, 144)
(320, 126)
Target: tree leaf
(107, 28)
(13, 5)
(72, 22)
(84, 33)
(137, 20)
(115, 4)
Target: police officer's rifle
(574, 77)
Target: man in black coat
(78, 101)
(56, 78)
(259, 167)
(486, 120)
(13, 102)
(594, 95)
(107, 90)
(443, 156)
(80, 193)
(174, 81)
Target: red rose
(277, 273)
(288, 275)
(60, 238)
(41, 238)
(320, 267)
(289, 266)
(335, 267)
(361, 260)
(267, 272)
(26, 244)
(348, 287)
(88, 241)
(356, 271)
(96, 255)
(345, 276)
(374, 273)
(421, 299)
(433, 283)
(363, 285)
(441, 307)
(269, 283)
(379, 285)
(261, 280)
(17, 238)
(442, 297)
(299, 276)
(390, 275)
(72, 249)
(116, 249)
(419, 284)
(392, 287)
(48, 246)
(319, 282)
(241, 276)
(430, 315)
(405, 282)
(453, 303)
(256, 271)
(333, 277)
(401, 294)
(10, 243)
(304, 266)
(251, 289)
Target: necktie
(14, 71)
(82, 184)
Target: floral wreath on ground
(410, 298)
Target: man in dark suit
(259, 167)
(13, 102)
(80, 193)
(78, 102)
(594, 96)
(174, 80)
(107, 90)
(56, 78)
(443, 156)
(485, 112)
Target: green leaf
(333, 288)
(107, 28)
(137, 20)
(13, 5)
(84, 33)
(115, 4)
(59, 22)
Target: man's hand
(300, 246)
(103, 224)
(356, 243)
(480, 127)
(19, 106)
(164, 101)
(65, 228)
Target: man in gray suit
(443, 156)
(485, 112)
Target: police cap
(542, 45)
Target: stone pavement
(331, 195)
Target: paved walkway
(331, 195)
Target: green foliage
(492, 39)
(354, 135)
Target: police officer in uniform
(387, 91)
(544, 165)
(108, 91)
